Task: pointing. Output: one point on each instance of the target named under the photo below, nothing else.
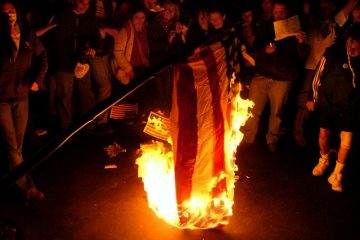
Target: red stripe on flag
(187, 137)
(209, 59)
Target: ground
(276, 196)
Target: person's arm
(47, 28)
(122, 40)
(303, 48)
(40, 64)
(349, 6)
(342, 16)
(314, 96)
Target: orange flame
(156, 168)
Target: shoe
(33, 194)
(335, 180)
(272, 147)
(321, 167)
(299, 140)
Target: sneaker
(321, 167)
(33, 194)
(335, 181)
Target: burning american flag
(190, 181)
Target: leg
(302, 112)
(100, 68)
(13, 121)
(258, 94)
(335, 178)
(87, 100)
(64, 92)
(278, 94)
(345, 146)
(52, 97)
(324, 144)
(324, 141)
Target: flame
(156, 168)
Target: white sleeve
(317, 79)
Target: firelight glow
(156, 168)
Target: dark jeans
(100, 68)
(65, 85)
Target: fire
(157, 170)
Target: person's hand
(51, 23)
(102, 33)
(131, 74)
(108, 30)
(311, 105)
(301, 37)
(270, 48)
(34, 87)
(178, 27)
(91, 52)
(171, 36)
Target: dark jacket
(340, 81)
(284, 63)
(73, 34)
(17, 75)
(159, 46)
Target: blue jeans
(262, 90)
(13, 121)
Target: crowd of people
(80, 51)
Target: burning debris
(114, 150)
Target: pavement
(276, 197)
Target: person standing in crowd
(104, 12)
(248, 28)
(131, 55)
(232, 43)
(322, 25)
(131, 48)
(163, 29)
(23, 64)
(355, 14)
(276, 67)
(166, 38)
(198, 31)
(336, 92)
(76, 37)
(266, 13)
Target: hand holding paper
(287, 28)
